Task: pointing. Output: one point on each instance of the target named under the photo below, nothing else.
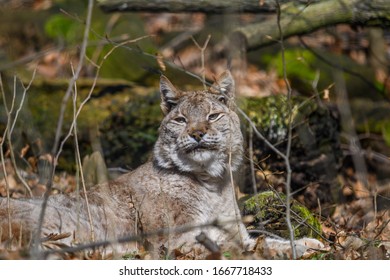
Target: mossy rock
(315, 124)
(269, 212)
(128, 134)
(316, 154)
(37, 121)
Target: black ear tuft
(222, 99)
(224, 87)
(224, 84)
(165, 91)
(169, 95)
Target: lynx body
(187, 183)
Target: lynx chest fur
(186, 184)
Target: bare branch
(301, 18)
(289, 136)
(10, 127)
(251, 163)
(87, 98)
(78, 160)
(74, 78)
(202, 50)
(179, 6)
(9, 134)
(58, 134)
(2, 140)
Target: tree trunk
(205, 6)
(297, 17)
(298, 20)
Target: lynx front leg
(271, 248)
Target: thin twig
(29, 58)
(236, 211)
(109, 26)
(2, 141)
(289, 138)
(9, 132)
(74, 78)
(166, 61)
(251, 163)
(202, 56)
(59, 147)
(89, 95)
(78, 161)
(71, 129)
(25, 89)
(35, 249)
(8, 135)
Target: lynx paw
(270, 248)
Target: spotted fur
(186, 184)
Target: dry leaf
(24, 151)
(160, 61)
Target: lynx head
(200, 132)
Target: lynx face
(200, 133)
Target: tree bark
(297, 17)
(298, 20)
(205, 6)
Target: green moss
(271, 116)
(268, 210)
(315, 154)
(299, 64)
(62, 26)
(37, 121)
(131, 256)
(128, 135)
(386, 132)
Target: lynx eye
(180, 120)
(213, 117)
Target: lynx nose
(197, 135)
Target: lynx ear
(224, 86)
(169, 95)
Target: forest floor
(358, 228)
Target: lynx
(187, 183)
(186, 188)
